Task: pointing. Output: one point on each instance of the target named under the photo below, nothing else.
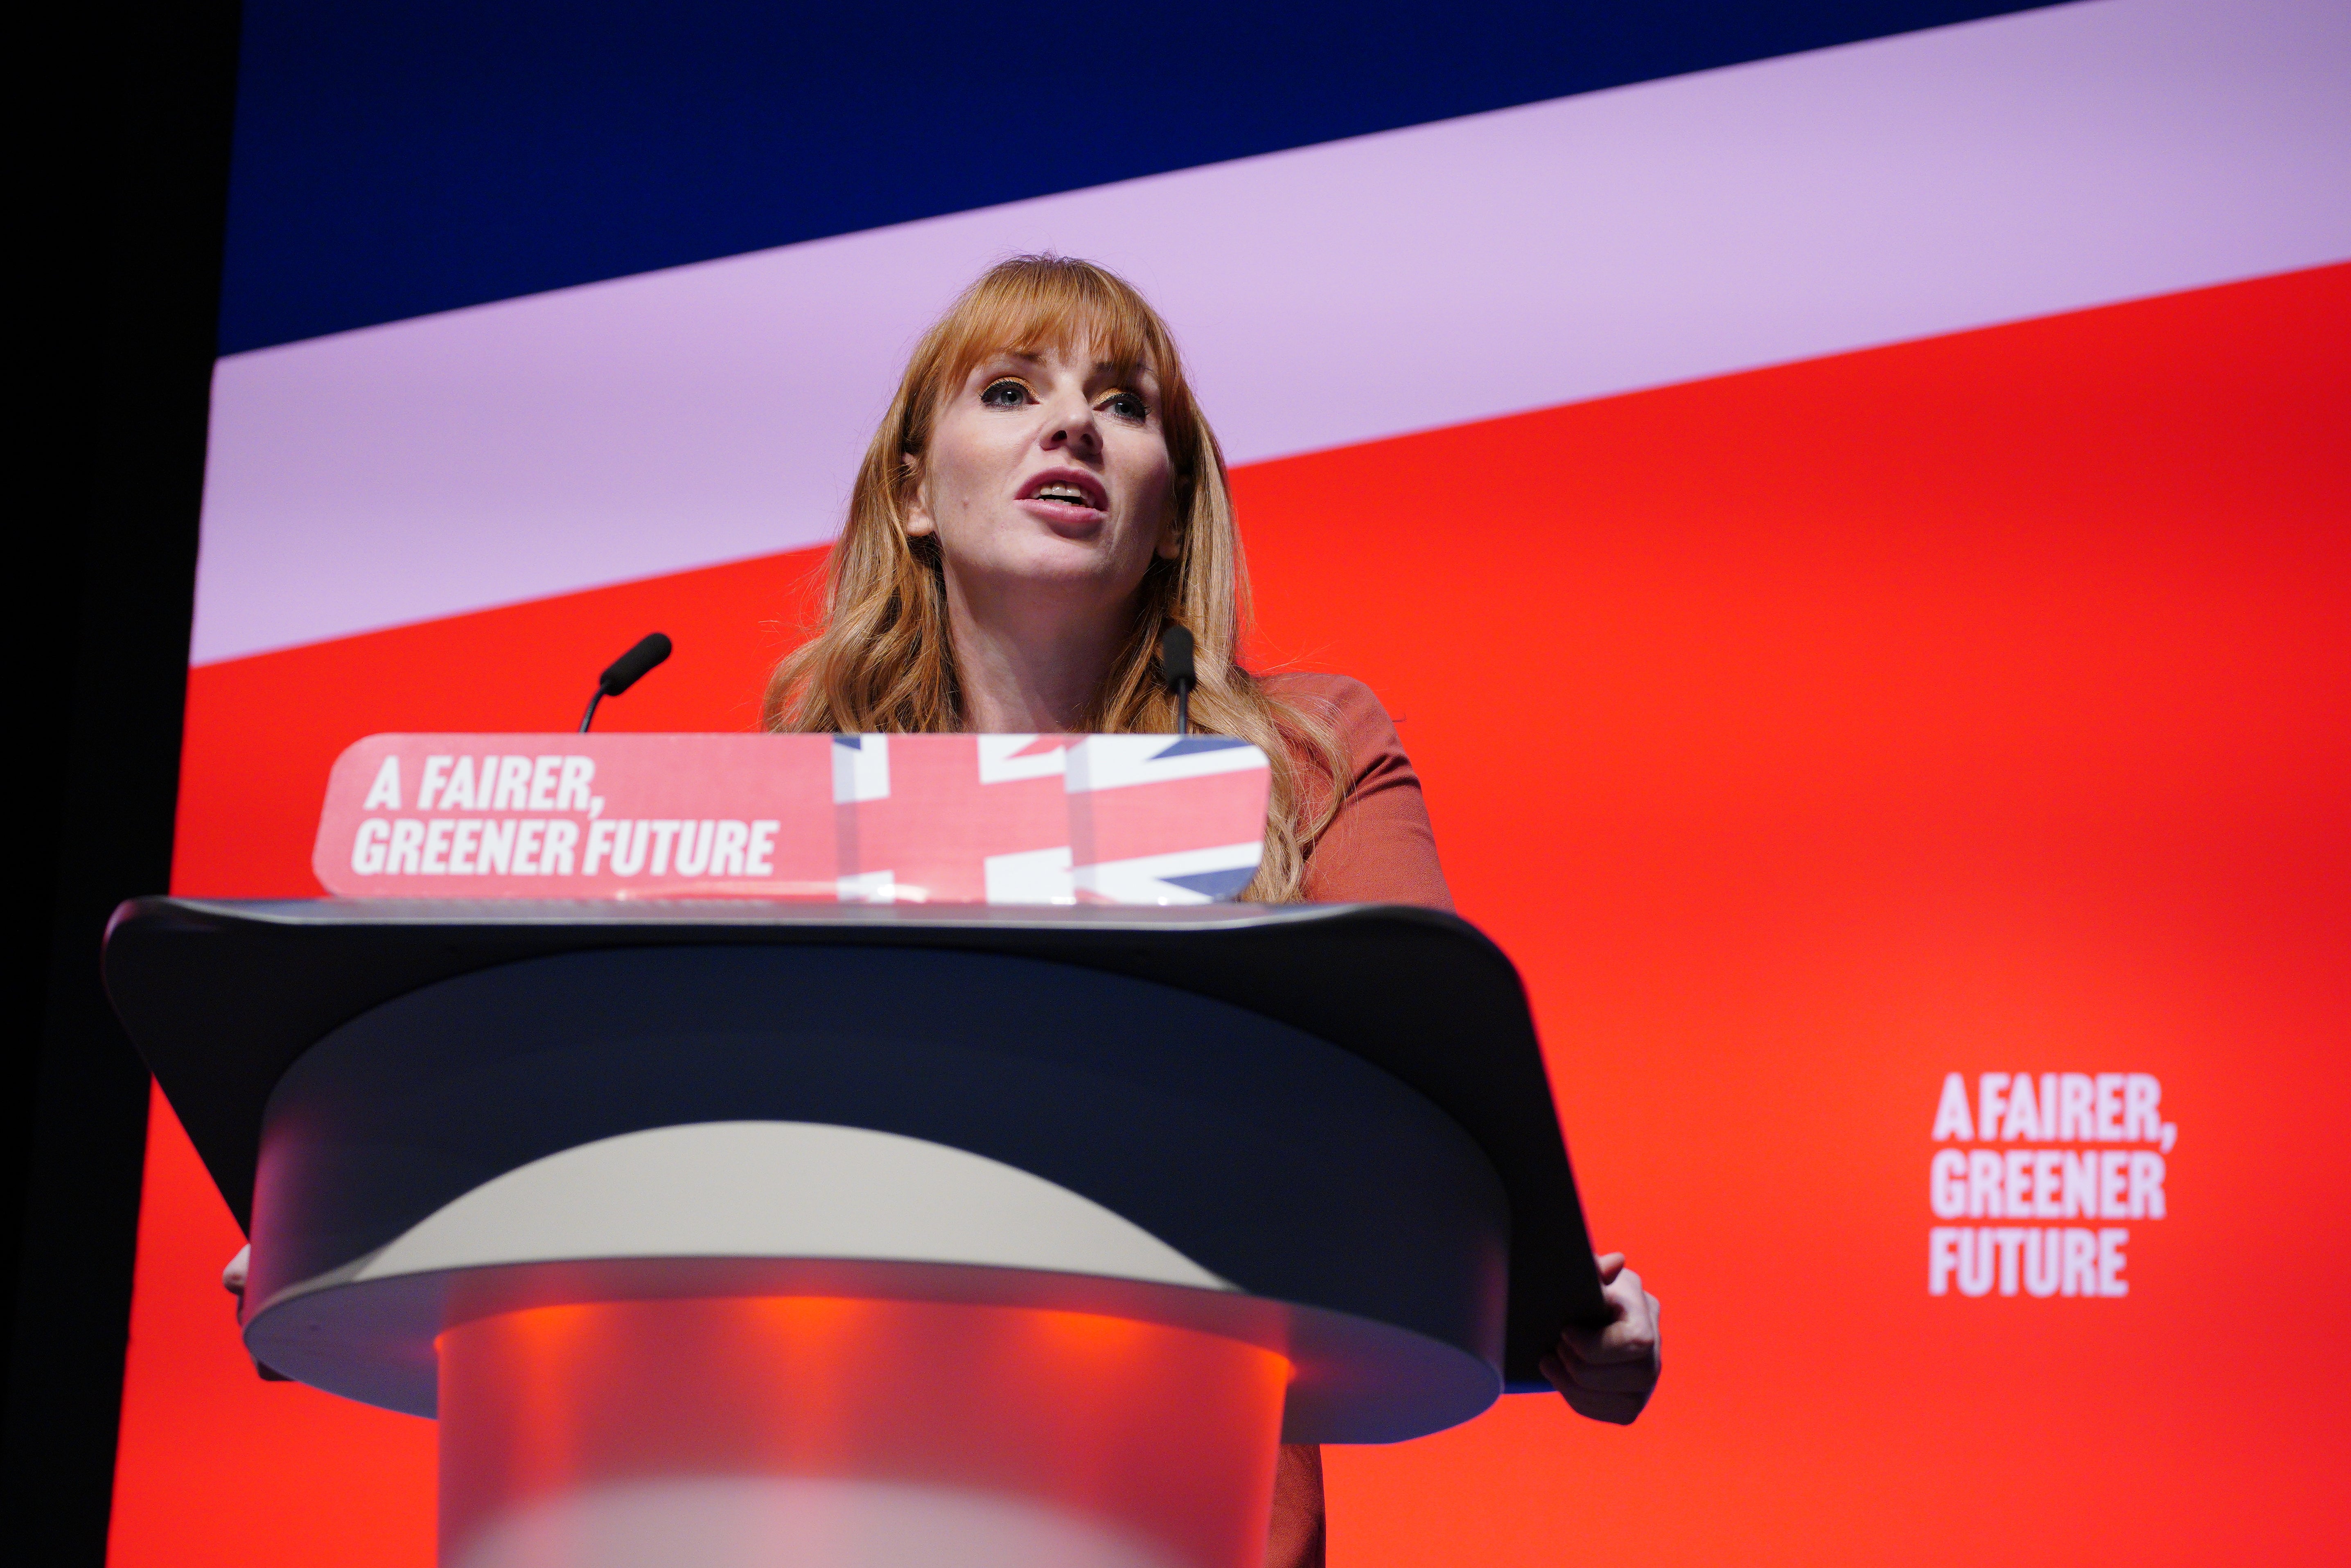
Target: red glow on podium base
(828, 1431)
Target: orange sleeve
(1379, 849)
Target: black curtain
(123, 192)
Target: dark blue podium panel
(1341, 1107)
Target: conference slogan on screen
(2003, 1182)
(540, 845)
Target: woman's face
(1048, 471)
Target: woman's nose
(1074, 427)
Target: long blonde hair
(882, 661)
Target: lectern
(734, 1232)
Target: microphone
(1175, 669)
(624, 673)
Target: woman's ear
(917, 508)
(1171, 537)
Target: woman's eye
(1005, 394)
(1127, 406)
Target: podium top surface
(223, 996)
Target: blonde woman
(1043, 499)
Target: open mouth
(1067, 489)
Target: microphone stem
(590, 717)
(1183, 710)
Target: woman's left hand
(1608, 1374)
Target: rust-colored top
(1378, 850)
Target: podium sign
(998, 819)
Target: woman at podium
(1044, 498)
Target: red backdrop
(1977, 704)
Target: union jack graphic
(1048, 819)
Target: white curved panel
(781, 1190)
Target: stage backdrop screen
(1852, 524)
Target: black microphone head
(1175, 658)
(627, 669)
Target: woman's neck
(1028, 664)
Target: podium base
(845, 1433)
